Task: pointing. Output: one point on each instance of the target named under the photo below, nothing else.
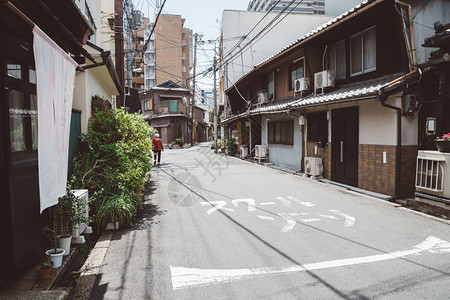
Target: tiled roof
(350, 92)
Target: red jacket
(157, 144)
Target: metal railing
(430, 174)
(170, 106)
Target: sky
(203, 17)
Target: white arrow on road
(349, 220)
(191, 277)
(285, 201)
(290, 223)
(216, 206)
(304, 203)
(250, 203)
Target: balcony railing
(170, 107)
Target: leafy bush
(117, 164)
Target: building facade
(350, 93)
(298, 6)
(173, 55)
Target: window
(22, 106)
(317, 126)
(148, 105)
(336, 60)
(363, 52)
(271, 84)
(296, 71)
(281, 132)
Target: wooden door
(344, 145)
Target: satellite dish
(184, 100)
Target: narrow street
(215, 227)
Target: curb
(91, 267)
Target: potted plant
(55, 254)
(443, 143)
(67, 214)
(179, 142)
(45, 269)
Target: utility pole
(128, 8)
(215, 103)
(118, 37)
(193, 93)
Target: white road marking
(265, 218)
(250, 203)
(290, 223)
(304, 203)
(349, 220)
(267, 203)
(293, 214)
(304, 214)
(310, 220)
(183, 278)
(329, 217)
(216, 206)
(285, 201)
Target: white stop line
(183, 278)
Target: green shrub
(117, 164)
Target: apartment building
(173, 55)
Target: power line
(153, 29)
(231, 56)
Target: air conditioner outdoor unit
(323, 79)
(301, 84)
(262, 97)
(244, 151)
(164, 109)
(313, 166)
(261, 152)
(77, 238)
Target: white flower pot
(64, 243)
(56, 258)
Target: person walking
(157, 148)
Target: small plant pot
(56, 258)
(64, 243)
(44, 271)
(442, 146)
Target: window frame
(363, 70)
(335, 46)
(296, 65)
(317, 126)
(287, 133)
(271, 74)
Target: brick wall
(408, 171)
(374, 175)
(324, 153)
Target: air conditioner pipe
(382, 98)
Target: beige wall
(378, 124)
(168, 42)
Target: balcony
(170, 107)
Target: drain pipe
(382, 98)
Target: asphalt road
(216, 227)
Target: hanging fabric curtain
(55, 79)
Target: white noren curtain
(55, 79)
